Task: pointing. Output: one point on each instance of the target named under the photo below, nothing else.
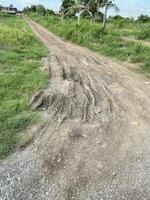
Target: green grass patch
(20, 77)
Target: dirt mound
(73, 97)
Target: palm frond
(114, 6)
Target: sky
(128, 8)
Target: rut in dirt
(96, 135)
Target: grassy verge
(20, 77)
(108, 42)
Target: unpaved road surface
(95, 144)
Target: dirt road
(95, 144)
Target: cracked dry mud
(95, 144)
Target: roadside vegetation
(20, 77)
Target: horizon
(132, 8)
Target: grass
(108, 42)
(131, 28)
(20, 77)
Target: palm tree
(66, 7)
(107, 4)
(90, 6)
(93, 7)
(80, 6)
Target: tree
(11, 6)
(107, 4)
(66, 4)
(143, 18)
(84, 7)
(94, 6)
(49, 12)
(40, 10)
(26, 10)
(33, 8)
(65, 7)
(89, 6)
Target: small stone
(135, 123)
(114, 174)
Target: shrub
(145, 34)
(40, 10)
(143, 18)
(99, 32)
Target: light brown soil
(95, 144)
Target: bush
(49, 12)
(40, 10)
(145, 34)
(143, 18)
(146, 67)
(99, 32)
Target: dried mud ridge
(95, 143)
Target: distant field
(20, 77)
(108, 42)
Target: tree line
(90, 9)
